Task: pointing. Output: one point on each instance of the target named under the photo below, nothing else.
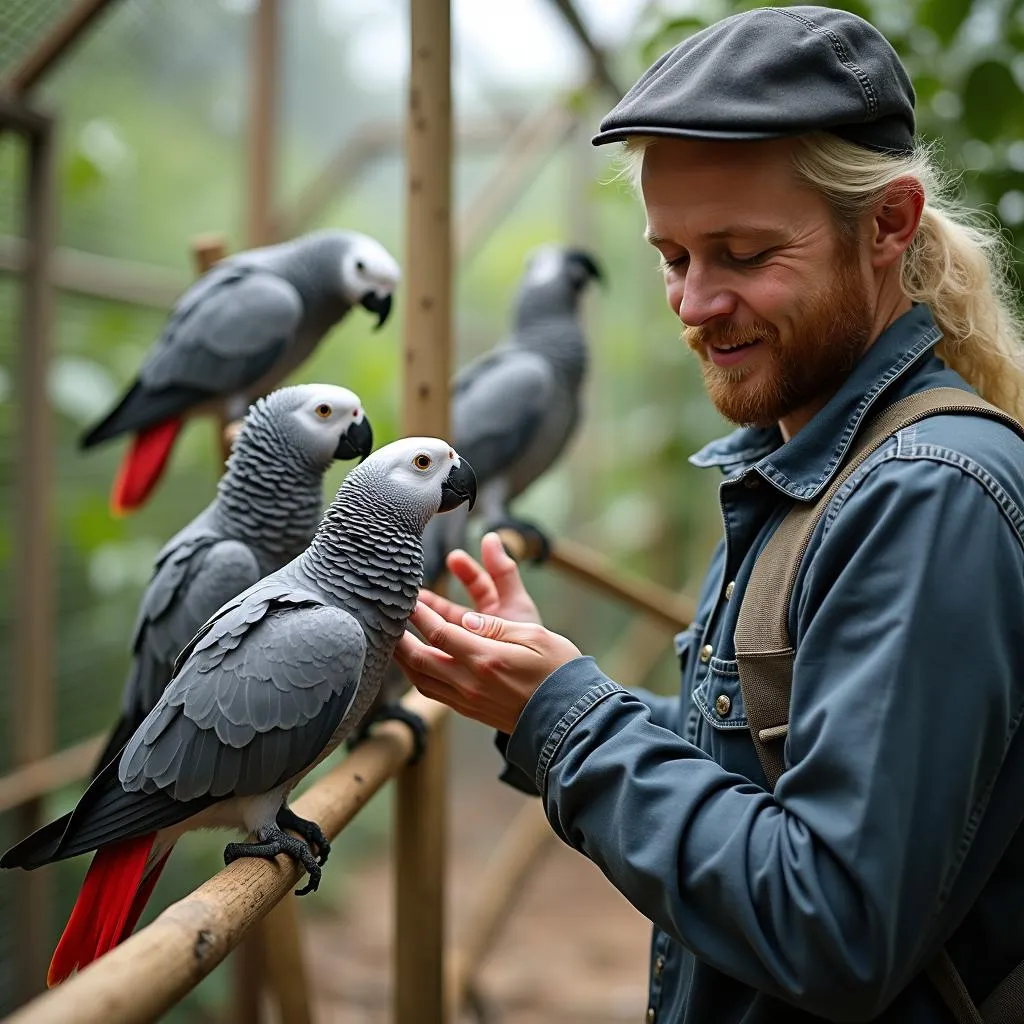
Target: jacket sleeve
(907, 691)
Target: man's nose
(703, 298)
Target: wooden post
(421, 797)
(263, 70)
(33, 529)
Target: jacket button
(723, 704)
(659, 966)
(651, 1015)
(729, 589)
(705, 652)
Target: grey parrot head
(369, 275)
(322, 421)
(414, 478)
(553, 279)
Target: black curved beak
(459, 486)
(379, 304)
(356, 442)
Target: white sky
(505, 42)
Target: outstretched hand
(495, 587)
(483, 663)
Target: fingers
(448, 610)
(445, 636)
(478, 583)
(501, 568)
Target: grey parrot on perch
(513, 412)
(267, 688)
(245, 325)
(515, 408)
(269, 503)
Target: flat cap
(773, 72)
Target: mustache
(727, 334)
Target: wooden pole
(42, 776)
(150, 971)
(53, 46)
(263, 68)
(421, 797)
(33, 525)
(99, 276)
(598, 58)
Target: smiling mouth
(732, 352)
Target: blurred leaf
(944, 17)
(81, 175)
(671, 33)
(991, 101)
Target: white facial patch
(544, 266)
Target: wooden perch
(41, 777)
(672, 610)
(154, 968)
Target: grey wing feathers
(254, 704)
(189, 585)
(498, 407)
(227, 330)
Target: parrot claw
(270, 842)
(309, 830)
(538, 547)
(396, 712)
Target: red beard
(833, 330)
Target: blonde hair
(958, 264)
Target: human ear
(895, 220)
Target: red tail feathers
(108, 907)
(143, 465)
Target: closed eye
(748, 261)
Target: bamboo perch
(100, 277)
(154, 968)
(590, 567)
(41, 777)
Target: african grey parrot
(515, 408)
(236, 333)
(513, 411)
(265, 690)
(268, 505)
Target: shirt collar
(802, 466)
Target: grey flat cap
(769, 73)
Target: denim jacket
(895, 828)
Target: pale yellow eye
(323, 410)
(422, 461)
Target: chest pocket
(718, 696)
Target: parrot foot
(537, 546)
(396, 712)
(270, 842)
(309, 830)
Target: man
(818, 281)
